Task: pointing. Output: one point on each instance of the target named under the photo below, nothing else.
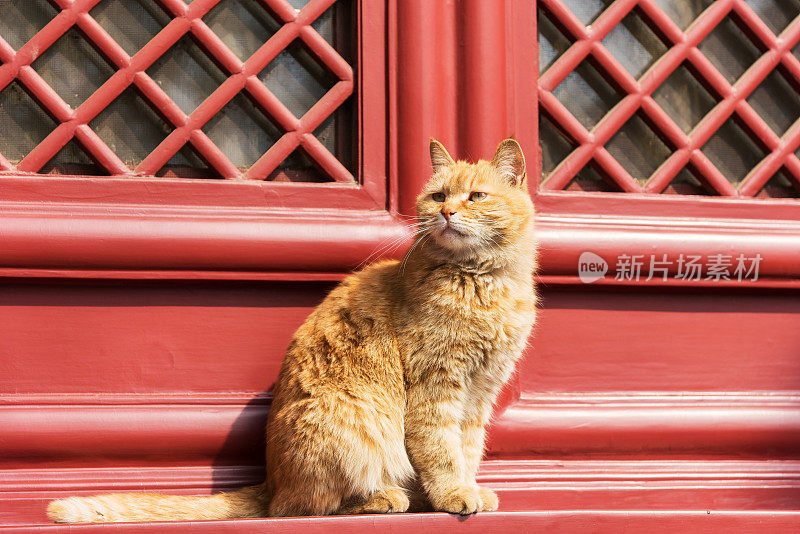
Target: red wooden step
(535, 494)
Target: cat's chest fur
(468, 324)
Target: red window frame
(639, 221)
(467, 75)
(137, 224)
(188, 21)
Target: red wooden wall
(143, 321)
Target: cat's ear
(439, 156)
(510, 162)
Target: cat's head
(480, 208)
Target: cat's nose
(447, 213)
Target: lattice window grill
(665, 96)
(235, 89)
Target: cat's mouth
(449, 230)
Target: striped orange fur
(386, 389)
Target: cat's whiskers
(418, 243)
(419, 228)
(386, 248)
(381, 250)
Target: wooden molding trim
(136, 242)
(103, 238)
(522, 484)
(741, 425)
(517, 473)
(170, 430)
(556, 521)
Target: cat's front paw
(462, 500)
(489, 500)
(387, 501)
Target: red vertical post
(523, 80)
(483, 106)
(426, 89)
(452, 84)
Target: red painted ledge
(484, 523)
(136, 238)
(93, 431)
(251, 239)
(527, 488)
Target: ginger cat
(387, 387)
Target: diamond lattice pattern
(253, 89)
(670, 96)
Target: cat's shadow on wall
(240, 461)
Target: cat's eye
(476, 195)
(438, 197)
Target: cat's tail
(118, 507)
